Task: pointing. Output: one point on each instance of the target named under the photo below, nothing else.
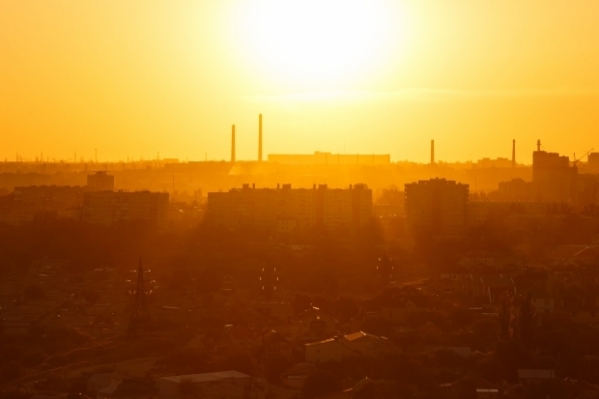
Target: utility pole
(139, 321)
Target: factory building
(284, 209)
(327, 158)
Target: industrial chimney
(233, 144)
(514, 153)
(432, 152)
(260, 138)
(538, 145)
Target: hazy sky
(134, 78)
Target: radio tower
(140, 316)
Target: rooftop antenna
(139, 321)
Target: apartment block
(437, 207)
(109, 207)
(284, 209)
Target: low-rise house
(274, 344)
(314, 323)
(365, 388)
(400, 313)
(471, 386)
(243, 337)
(281, 311)
(463, 351)
(328, 350)
(98, 382)
(528, 376)
(577, 388)
(133, 388)
(350, 345)
(224, 384)
(369, 345)
(296, 376)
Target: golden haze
(137, 78)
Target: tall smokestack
(233, 144)
(538, 145)
(260, 138)
(514, 153)
(432, 152)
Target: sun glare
(311, 43)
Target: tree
(11, 371)
(319, 383)
(485, 330)
(34, 292)
(91, 297)
(274, 366)
(527, 320)
(377, 326)
(506, 316)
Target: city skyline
(132, 81)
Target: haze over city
(284, 199)
(136, 79)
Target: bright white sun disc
(311, 42)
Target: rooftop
(208, 377)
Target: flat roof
(208, 377)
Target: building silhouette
(284, 209)
(594, 162)
(554, 180)
(109, 207)
(437, 207)
(100, 181)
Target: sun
(315, 43)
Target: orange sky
(134, 78)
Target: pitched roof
(361, 335)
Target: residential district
(301, 276)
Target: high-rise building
(587, 194)
(437, 207)
(284, 209)
(100, 181)
(554, 180)
(31, 201)
(515, 190)
(109, 207)
(594, 162)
